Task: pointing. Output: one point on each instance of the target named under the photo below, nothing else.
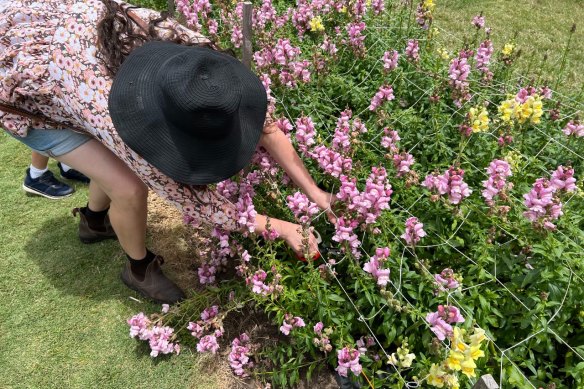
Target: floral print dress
(48, 66)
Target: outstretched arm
(276, 143)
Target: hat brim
(136, 112)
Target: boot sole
(96, 240)
(39, 193)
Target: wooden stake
(486, 382)
(247, 33)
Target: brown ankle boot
(155, 285)
(92, 235)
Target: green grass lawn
(539, 28)
(62, 306)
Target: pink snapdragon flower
(359, 126)
(348, 191)
(385, 93)
(413, 50)
(228, 189)
(160, 341)
(373, 266)
(209, 313)
(441, 319)
(270, 234)
(378, 6)
(302, 14)
(263, 15)
(389, 140)
(344, 232)
(414, 231)
(541, 204)
(483, 59)
(431, 182)
(498, 171)
(302, 207)
(402, 163)
(196, 329)
(291, 322)
(574, 127)
(139, 325)
(284, 125)
(452, 184)
(458, 79)
(376, 196)
(305, 133)
(390, 59)
(563, 179)
(329, 47)
(331, 161)
(195, 13)
(206, 274)
(318, 327)
(478, 21)
(356, 37)
(446, 280)
(239, 356)
(342, 138)
(284, 53)
(257, 280)
(208, 343)
(348, 358)
(246, 212)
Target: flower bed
(458, 244)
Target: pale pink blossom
(414, 231)
(348, 358)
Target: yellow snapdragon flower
(443, 53)
(479, 119)
(436, 376)
(468, 367)
(316, 24)
(477, 337)
(343, 10)
(475, 352)
(454, 360)
(457, 340)
(507, 109)
(429, 5)
(513, 158)
(537, 107)
(508, 49)
(452, 381)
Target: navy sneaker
(47, 186)
(73, 174)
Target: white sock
(36, 173)
(65, 167)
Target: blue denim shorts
(53, 143)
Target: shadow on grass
(89, 271)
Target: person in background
(39, 180)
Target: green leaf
(335, 297)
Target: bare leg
(39, 161)
(98, 199)
(112, 179)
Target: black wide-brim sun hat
(193, 113)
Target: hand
(292, 234)
(325, 201)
